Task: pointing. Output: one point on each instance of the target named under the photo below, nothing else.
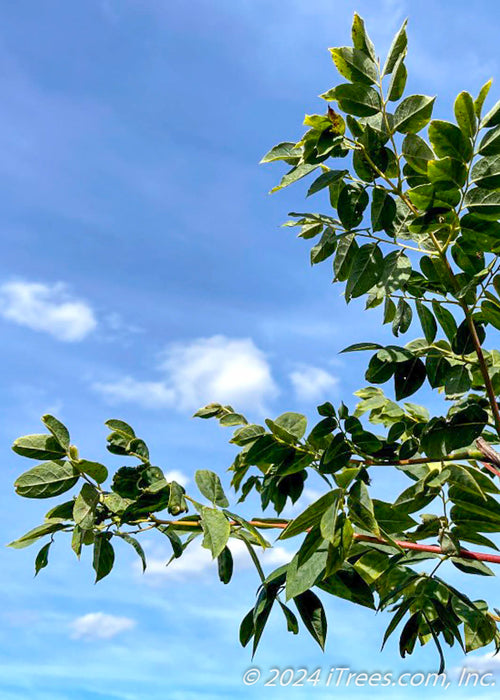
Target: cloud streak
(48, 309)
(222, 369)
(312, 383)
(99, 625)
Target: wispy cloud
(99, 625)
(228, 370)
(47, 308)
(312, 383)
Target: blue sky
(142, 267)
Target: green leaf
(216, 530)
(33, 535)
(440, 437)
(261, 614)
(463, 517)
(138, 448)
(402, 318)
(47, 480)
(390, 518)
(247, 628)
(137, 547)
(231, 419)
(463, 342)
(417, 153)
(409, 377)
(313, 616)
(460, 476)
(479, 101)
(77, 540)
(409, 634)
(248, 526)
(296, 173)
(365, 272)
(360, 37)
(479, 632)
(176, 499)
(85, 506)
(42, 558)
(346, 250)
(427, 321)
(62, 512)
(294, 424)
(311, 516)
(446, 171)
(448, 140)
(484, 203)
(115, 503)
(479, 234)
(95, 470)
(396, 50)
(336, 455)
(58, 430)
(266, 450)
(397, 83)
(225, 565)
(348, 584)
(211, 410)
(328, 521)
(383, 209)
(325, 180)
(283, 151)
(491, 118)
(379, 371)
(302, 573)
(486, 173)
(120, 426)
(465, 114)
(413, 113)
(490, 143)
(357, 347)
(210, 486)
(247, 434)
(446, 320)
(353, 200)
(292, 623)
(357, 99)
(39, 447)
(491, 313)
(457, 381)
(104, 556)
(361, 508)
(175, 540)
(354, 65)
(324, 248)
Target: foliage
(413, 228)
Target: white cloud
(312, 383)
(479, 663)
(176, 475)
(197, 560)
(221, 369)
(98, 625)
(47, 308)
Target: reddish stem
(490, 468)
